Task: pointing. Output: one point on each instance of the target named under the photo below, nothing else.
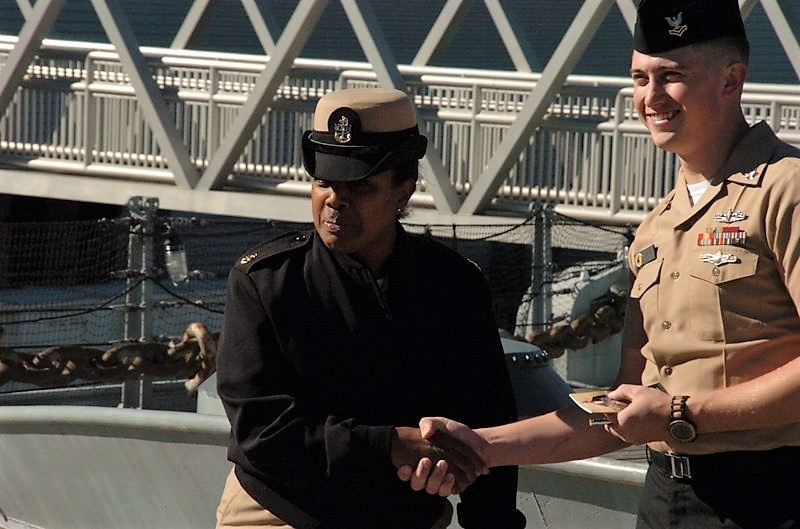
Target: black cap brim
(336, 168)
(337, 163)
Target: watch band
(680, 427)
(678, 408)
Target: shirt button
(675, 275)
(715, 271)
(666, 325)
(667, 370)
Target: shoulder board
(277, 246)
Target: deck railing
(76, 113)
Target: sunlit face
(358, 218)
(679, 97)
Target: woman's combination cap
(357, 131)
(663, 25)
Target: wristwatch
(680, 427)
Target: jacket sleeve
(490, 502)
(273, 434)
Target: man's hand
(452, 463)
(435, 428)
(644, 419)
(435, 476)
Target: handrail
(76, 113)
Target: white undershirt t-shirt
(696, 190)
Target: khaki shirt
(715, 299)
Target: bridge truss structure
(216, 133)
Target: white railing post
(617, 146)
(214, 120)
(89, 113)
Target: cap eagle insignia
(677, 27)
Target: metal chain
(193, 357)
(605, 320)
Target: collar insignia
(750, 175)
(718, 258)
(730, 216)
(645, 256)
(247, 258)
(342, 131)
(677, 27)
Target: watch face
(682, 430)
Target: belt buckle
(679, 467)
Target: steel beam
(784, 32)
(628, 10)
(441, 32)
(263, 23)
(291, 205)
(291, 41)
(370, 36)
(746, 7)
(37, 25)
(196, 18)
(379, 55)
(25, 8)
(148, 95)
(567, 54)
(514, 37)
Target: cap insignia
(677, 27)
(342, 131)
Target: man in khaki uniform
(710, 374)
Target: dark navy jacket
(317, 363)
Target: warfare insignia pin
(718, 258)
(730, 216)
(247, 258)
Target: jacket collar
(745, 166)
(356, 269)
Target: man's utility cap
(358, 130)
(662, 25)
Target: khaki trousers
(238, 510)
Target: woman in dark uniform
(333, 339)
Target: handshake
(442, 457)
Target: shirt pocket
(644, 291)
(646, 279)
(717, 289)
